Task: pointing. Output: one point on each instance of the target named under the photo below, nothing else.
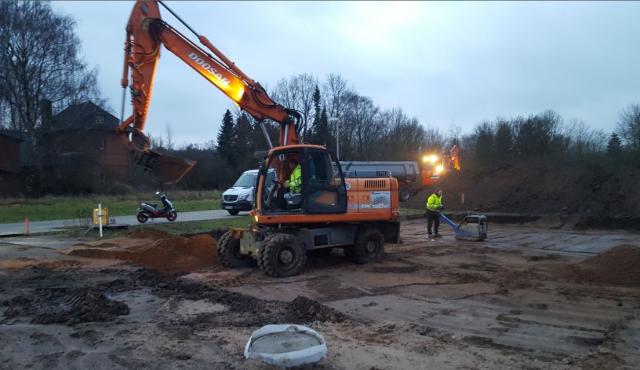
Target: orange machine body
(374, 199)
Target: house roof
(84, 116)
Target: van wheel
(229, 252)
(281, 255)
(404, 194)
(233, 212)
(369, 247)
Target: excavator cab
(316, 187)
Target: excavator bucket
(168, 169)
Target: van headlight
(243, 197)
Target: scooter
(473, 226)
(150, 210)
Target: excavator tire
(281, 255)
(369, 246)
(229, 252)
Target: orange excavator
(308, 205)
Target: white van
(239, 197)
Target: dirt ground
(527, 298)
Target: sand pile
(617, 266)
(155, 249)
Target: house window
(102, 176)
(101, 144)
(99, 120)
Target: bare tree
(297, 93)
(584, 140)
(365, 127)
(169, 137)
(629, 126)
(39, 59)
(334, 92)
(404, 136)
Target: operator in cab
(293, 197)
(434, 206)
(295, 181)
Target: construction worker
(434, 206)
(295, 181)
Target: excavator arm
(146, 33)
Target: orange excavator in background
(322, 211)
(435, 166)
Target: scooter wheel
(142, 218)
(172, 216)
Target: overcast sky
(444, 63)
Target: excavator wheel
(229, 252)
(281, 255)
(369, 246)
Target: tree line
(547, 137)
(334, 111)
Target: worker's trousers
(433, 220)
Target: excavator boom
(146, 33)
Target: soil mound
(604, 193)
(617, 266)
(66, 306)
(168, 254)
(308, 310)
(148, 233)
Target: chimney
(46, 113)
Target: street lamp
(337, 122)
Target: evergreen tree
(614, 146)
(226, 140)
(312, 135)
(242, 139)
(323, 133)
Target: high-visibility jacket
(434, 202)
(295, 182)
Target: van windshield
(247, 180)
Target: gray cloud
(441, 62)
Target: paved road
(46, 226)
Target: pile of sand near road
(155, 249)
(618, 266)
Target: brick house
(11, 179)
(83, 151)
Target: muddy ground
(528, 298)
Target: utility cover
(287, 345)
